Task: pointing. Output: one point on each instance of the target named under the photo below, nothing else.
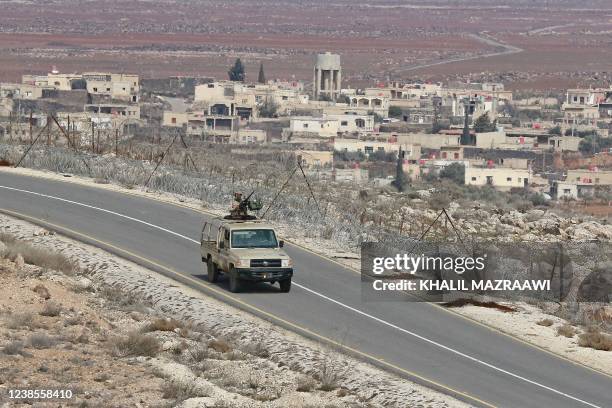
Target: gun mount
(240, 210)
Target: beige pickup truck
(245, 250)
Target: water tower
(327, 76)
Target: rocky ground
(74, 317)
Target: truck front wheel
(212, 270)
(285, 285)
(235, 284)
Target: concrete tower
(327, 76)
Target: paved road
(505, 49)
(416, 338)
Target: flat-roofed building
(498, 177)
(354, 123)
(586, 176)
(123, 87)
(565, 143)
(451, 152)
(569, 190)
(367, 147)
(322, 127)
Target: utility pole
(10, 129)
(31, 138)
(93, 137)
(68, 130)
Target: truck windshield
(255, 238)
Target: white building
(354, 123)
(367, 147)
(323, 127)
(501, 178)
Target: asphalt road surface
(417, 340)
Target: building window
(456, 155)
(344, 123)
(473, 178)
(173, 120)
(305, 125)
(508, 178)
(95, 89)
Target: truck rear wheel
(212, 270)
(285, 285)
(235, 284)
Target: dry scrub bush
(42, 291)
(51, 309)
(126, 301)
(328, 374)
(219, 345)
(598, 316)
(13, 348)
(134, 344)
(180, 391)
(305, 383)
(545, 322)
(73, 320)
(566, 330)
(161, 324)
(595, 339)
(41, 341)
(21, 320)
(342, 392)
(39, 257)
(198, 353)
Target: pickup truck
(246, 251)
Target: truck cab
(246, 251)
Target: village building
(501, 178)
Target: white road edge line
(442, 346)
